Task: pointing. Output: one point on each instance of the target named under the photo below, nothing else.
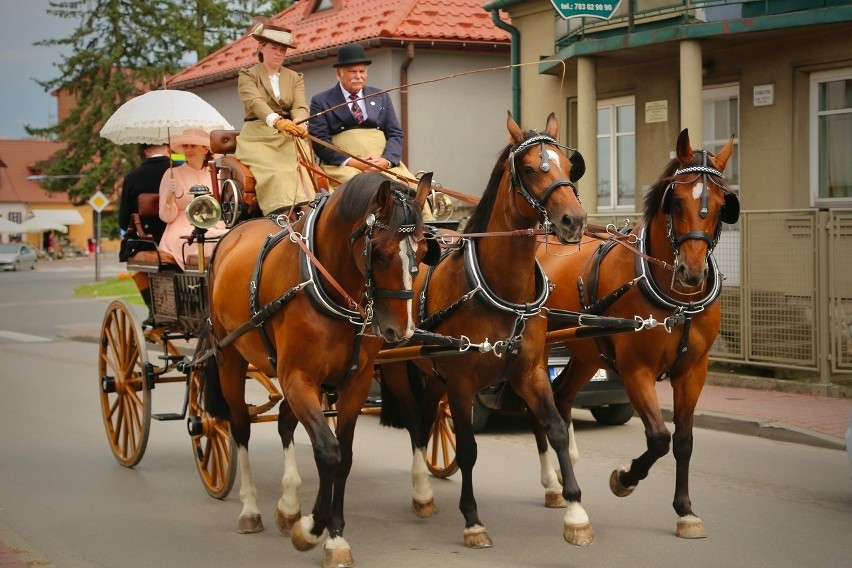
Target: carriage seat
(228, 167)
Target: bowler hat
(273, 34)
(351, 54)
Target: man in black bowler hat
(365, 126)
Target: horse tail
(214, 400)
(400, 381)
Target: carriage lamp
(203, 211)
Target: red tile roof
(17, 162)
(318, 35)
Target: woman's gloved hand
(286, 126)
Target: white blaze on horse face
(697, 190)
(407, 280)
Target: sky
(22, 100)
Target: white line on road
(22, 337)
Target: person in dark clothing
(144, 179)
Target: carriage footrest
(167, 416)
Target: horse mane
(478, 222)
(655, 194)
(357, 198)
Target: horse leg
(475, 534)
(401, 408)
(536, 391)
(423, 499)
(574, 375)
(686, 390)
(232, 376)
(288, 510)
(639, 385)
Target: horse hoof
(302, 540)
(690, 526)
(554, 501)
(616, 487)
(477, 537)
(250, 524)
(337, 558)
(285, 522)
(579, 535)
(424, 510)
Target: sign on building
(602, 10)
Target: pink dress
(178, 181)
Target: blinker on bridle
(544, 166)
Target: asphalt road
(64, 500)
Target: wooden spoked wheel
(125, 394)
(330, 419)
(441, 447)
(213, 448)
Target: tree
(119, 50)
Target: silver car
(17, 256)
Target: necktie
(356, 109)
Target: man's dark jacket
(144, 179)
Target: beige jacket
(255, 91)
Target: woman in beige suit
(274, 100)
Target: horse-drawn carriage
(346, 276)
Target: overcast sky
(22, 100)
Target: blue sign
(602, 10)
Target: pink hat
(191, 136)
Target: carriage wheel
(213, 447)
(124, 390)
(441, 447)
(330, 419)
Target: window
(617, 154)
(721, 119)
(831, 138)
(323, 5)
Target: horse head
(695, 203)
(545, 179)
(388, 247)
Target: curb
(768, 429)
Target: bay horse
(672, 275)
(490, 292)
(301, 323)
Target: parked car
(16, 256)
(603, 395)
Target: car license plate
(554, 371)
(600, 375)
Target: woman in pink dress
(194, 143)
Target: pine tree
(119, 50)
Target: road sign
(99, 201)
(602, 10)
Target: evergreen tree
(119, 50)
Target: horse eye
(529, 170)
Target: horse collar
(477, 282)
(656, 295)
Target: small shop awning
(61, 216)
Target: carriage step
(167, 416)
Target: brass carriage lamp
(203, 212)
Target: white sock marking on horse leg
(575, 514)
(573, 450)
(548, 475)
(337, 543)
(308, 524)
(248, 490)
(420, 478)
(290, 483)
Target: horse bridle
(407, 228)
(544, 166)
(707, 174)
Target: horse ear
(384, 198)
(684, 149)
(514, 130)
(578, 166)
(551, 127)
(724, 154)
(424, 186)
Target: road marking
(23, 337)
